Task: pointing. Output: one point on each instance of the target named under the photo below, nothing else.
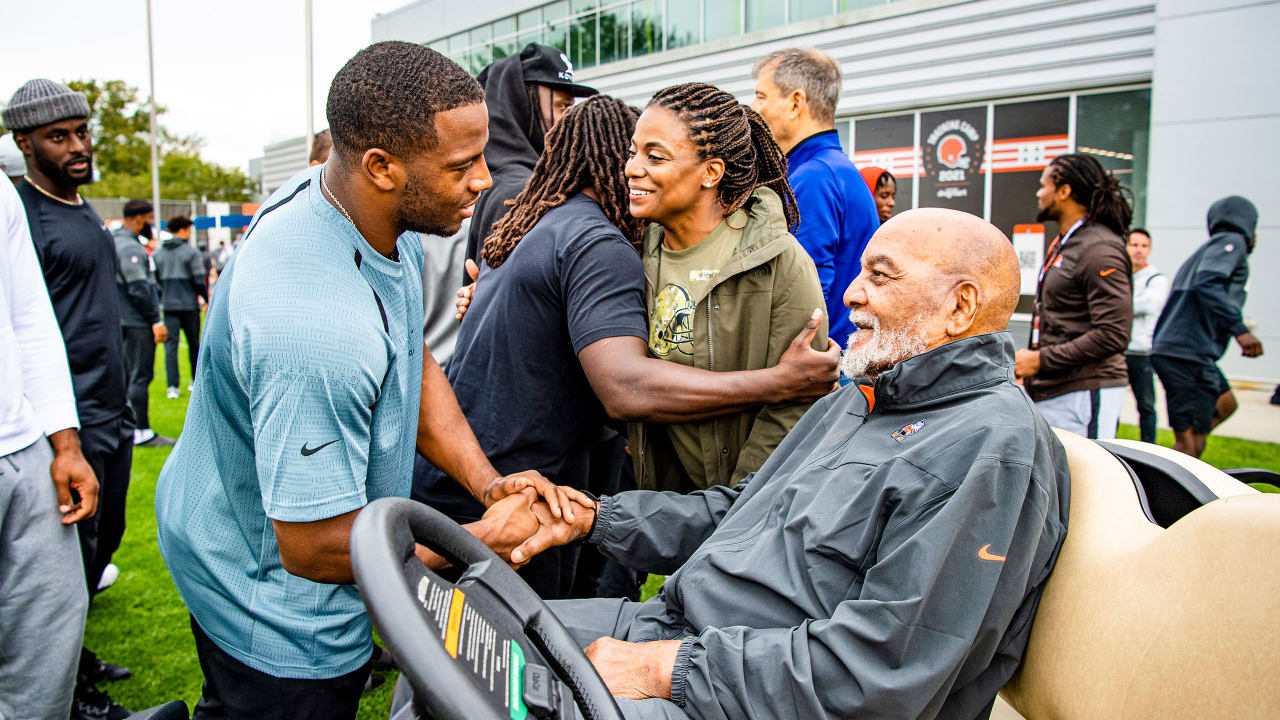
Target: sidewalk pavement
(1257, 419)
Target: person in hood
(884, 190)
(526, 94)
(796, 93)
(180, 270)
(726, 283)
(1199, 320)
(888, 560)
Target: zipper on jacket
(711, 366)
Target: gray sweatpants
(43, 602)
(588, 620)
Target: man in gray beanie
(50, 124)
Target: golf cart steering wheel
(486, 647)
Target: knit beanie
(12, 163)
(40, 102)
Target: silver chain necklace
(325, 184)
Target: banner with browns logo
(953, 145)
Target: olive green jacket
(759, 301)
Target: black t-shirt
(78, 259)
(572, 280)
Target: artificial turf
(140, 622)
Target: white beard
(884, 349)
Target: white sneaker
(172, 393)
(109, 575)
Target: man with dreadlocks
(1074, 366)
(526, 95)
(561, 320)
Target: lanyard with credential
(1055, 254)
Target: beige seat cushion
(1141, 622)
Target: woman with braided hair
(1074, 366)
(554, 341)
(726, 282)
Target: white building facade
(966, 101)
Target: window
(556, 33)
(859, 4)
(504, 41)
(646, 27)
(763, 14)
(1114, 127)
(615, 38)
(481, 53)
(582, 40)
(809, 9)
(889, 143)
(684, 23)
(529, 24)
(720, 19)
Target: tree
(121, 125)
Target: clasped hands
(527, 514)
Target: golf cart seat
(1140, 621)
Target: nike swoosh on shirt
(984, 554)
(306, 451)
(1106, 272)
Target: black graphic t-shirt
(572, 280)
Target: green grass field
(141, 622)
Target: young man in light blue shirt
(313, 389)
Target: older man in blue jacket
(796, 92)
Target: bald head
(960, 247)
(930, 276)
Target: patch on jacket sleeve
(908, 430)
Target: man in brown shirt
(1074, 367)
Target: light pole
(310, 120)
(155, 151)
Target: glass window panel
(721, 19)
(809, 9)
(577, 6)
(646, 27)
(529, 20)
(440, 46)
(582, 42)
(555, 11)
(503, 27)
(615, 40)
(684, 23)
(480, 56)
(763, 14)
(953, 144)
(533, 36)
(479, 36)
(458, 42)
(1114, 128)
(858, 4)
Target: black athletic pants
(235, 691)
(1142, 379)
(188, 321)
(139, 370)
(108, 448)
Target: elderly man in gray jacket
(888, 558)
